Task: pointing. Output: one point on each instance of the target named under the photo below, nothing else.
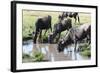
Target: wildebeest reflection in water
(51, 53)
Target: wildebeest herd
(73, 34)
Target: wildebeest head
(65, 42)
(60, 46)
(63, 15)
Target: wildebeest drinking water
(65, 24)
(43, 23)
(74, 35)
(75, 15)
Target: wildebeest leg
(75, 19)
(54, 36)
(35, 37)
(75, 51)
(51, 29)
(78, 19)
(40, 35)
(58, 36)
(75, 46)
(88, 39)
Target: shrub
(84, 47)
(86, 50)
(86, 53)
(38, 56)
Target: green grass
(86, 53)
(30, 17)
(38, 56)
(86, 50)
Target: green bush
(85, 46)
(86, 50)
(86, 53)
(38, 56)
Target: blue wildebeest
(74, 35)
(59, 27)
(74, 15)
(43, 23)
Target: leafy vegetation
(85, 50)
(38, 56)
(86, 53)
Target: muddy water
(51, 53)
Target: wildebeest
(43, 23)
(75, 15)
(74, 35)
(65, 24)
